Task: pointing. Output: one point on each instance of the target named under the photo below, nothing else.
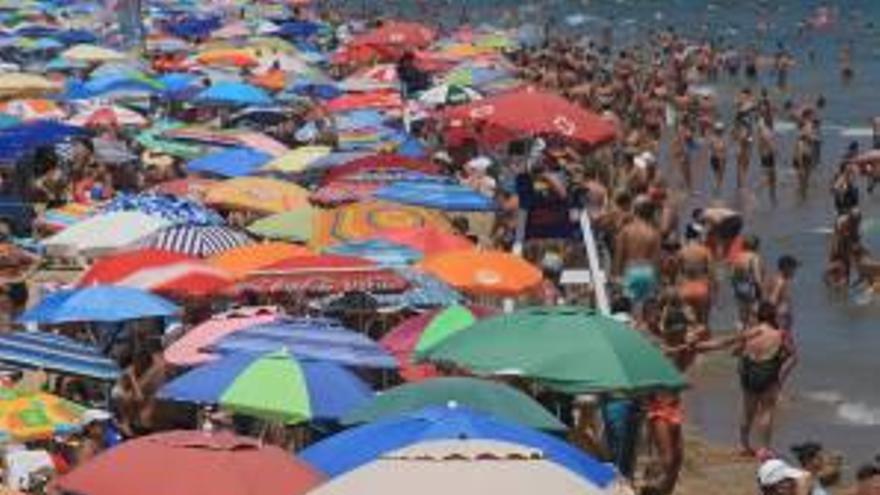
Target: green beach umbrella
(571, 349)
(486, 396)
(273, 386)
(295, 225)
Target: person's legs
(766, 415)
(669, 445)
(750, 406)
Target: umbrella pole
(593, 260)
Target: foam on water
(859, 414)
(855, 413)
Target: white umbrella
(462, 467)
(103, 233)
(449, 94)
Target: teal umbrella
(486, 396)
(571, 349)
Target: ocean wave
(859, 413)
(849, 412)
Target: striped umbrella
(274, 386)
(195, 240)
(56, 353)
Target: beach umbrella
(362, 220)
(187, 187)
(295, 225)
(378, 99)
(571, 349)
(218, 463)
(497, 399)
(37, 416)
(344, 191)
(449, 94)
(427, 240)
(465, 467)
(298, 159)
(349, 450)
(104, 233)
(115, 267)
(189, 350)
(192, 278)
(242, 261)
(118, 82)
(108, 116)
(476, 76)
(33, 109)
(24, 85)
(57, 354)
(484, 272)
(274, 386)
(21, 139)
(321, 275)
(435, 195)
(533, 112)
(422, 332)
(230, 57)
(397, 33)
(234, 162)
(234, 93)
(99, 303)
(174, 209)
(377, 250)
(261, 116)
(55, 220)
(196, 240)
(309, 338)
(376, 77)
(92, 53)
(258, 194)
(378, 162)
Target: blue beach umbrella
(172, 208)
(234, 162)
(382, 252)
(353, 448)
(274, 386)
(441, 196)
(56, 353)
(101, 303)
(309, 338)
(234, 93)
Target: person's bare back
(637, 242)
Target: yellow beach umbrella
(24, 85)
(297, 160)
(32, 416)
(93, 53)
(258, 194)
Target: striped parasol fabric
(197, 240)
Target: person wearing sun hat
(777, 477)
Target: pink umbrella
(187, 351)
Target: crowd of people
(668, 270)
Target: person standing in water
(767, 153)
(717, 155)
(764, 356)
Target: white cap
(776, 471)
(442, 156)
(480, 163)
(644, 159)
(95, 415)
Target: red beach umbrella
(192, 462)
(530, 111)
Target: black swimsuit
(757, 377)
